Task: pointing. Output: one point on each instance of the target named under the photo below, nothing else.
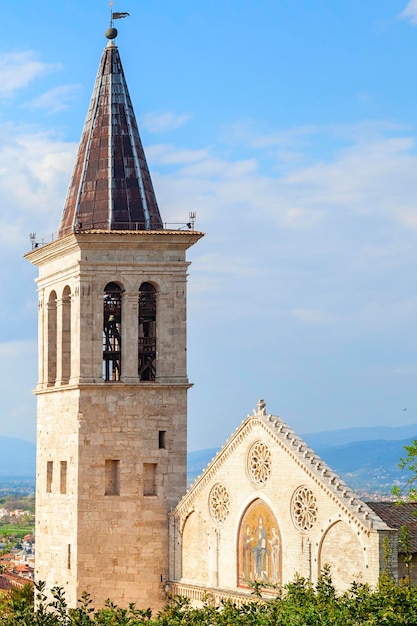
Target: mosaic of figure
(260, 551)
(259, 547)
(275, 547)
(247, 554)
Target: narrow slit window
(69, 556)
(112, 477)
(49, 476)
(149, 479)
(147, 332)
(162, 439)
(63, 477)
(112, 331)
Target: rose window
(259, 463)
(219, 501)
(304, 509)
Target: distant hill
(350, 435)
(17, 458)
(368, 466)
(365, 462)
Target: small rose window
(259, 463)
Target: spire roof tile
(111, 188)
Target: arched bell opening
(112, 327)
(147, 332)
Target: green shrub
(299, 604)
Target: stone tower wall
(121, 443)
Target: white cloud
(35, 168)
(18, 69)
(56, 99)
(163, 122)
(247, 132)
(321, 254)
(346, 220)
(165, 154)
(321, 241)
(371, 172)
(16, 349)
(410, 12)
(16, 384)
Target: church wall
(121, 536)
(196, 557)
(304, 525)
(125, 535)
(338, 540)
(56, 491)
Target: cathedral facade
(113, 514)
(266, 510)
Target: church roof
(397, 515)
(302, 455)
(111, 188)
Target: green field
(15, 530)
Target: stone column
(165, 342)
(130, 337)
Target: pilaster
(130, 337)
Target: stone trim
(224, 453)
(114, 385)
(302, 455)
(322, 474)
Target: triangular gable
(302, 455)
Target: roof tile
(111, 188)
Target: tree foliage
(298, 604)
(408, 464)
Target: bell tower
(112, 385)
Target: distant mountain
(350, 435)
(195, 459)
(17, 458)
(367, 465)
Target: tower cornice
(117, 386)
(104, 239)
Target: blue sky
(290, 127)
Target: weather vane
(116, 15)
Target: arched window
(52, 330)
(112, 319)
(147, 332)
(66, 335)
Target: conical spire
(111, 188)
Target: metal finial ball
(111, 33)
